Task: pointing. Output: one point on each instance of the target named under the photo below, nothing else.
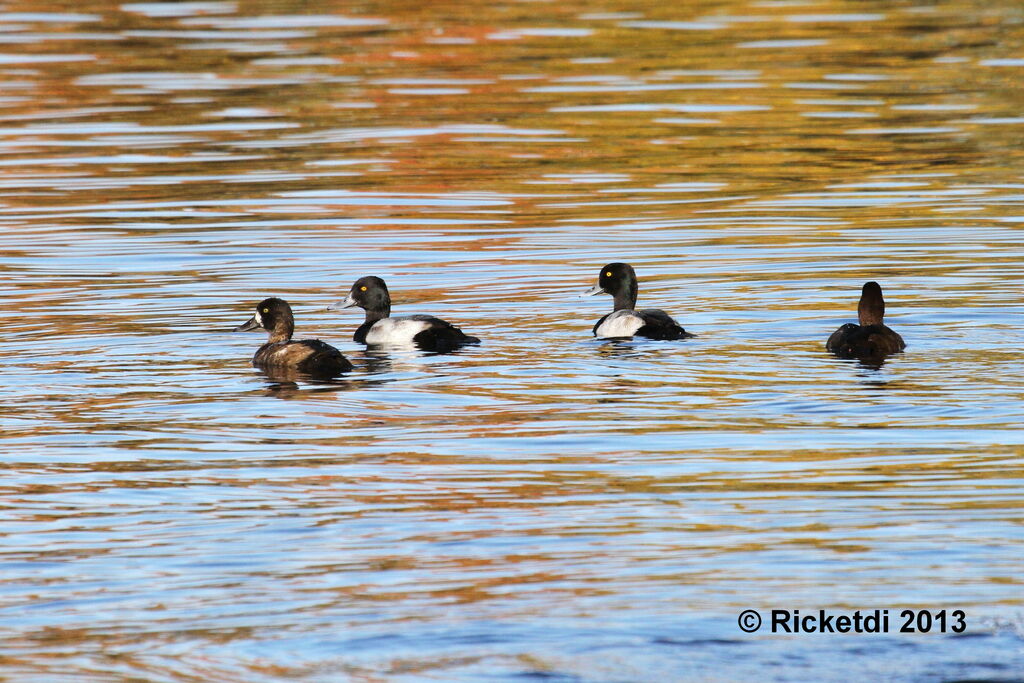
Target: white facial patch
(259, 318)
(620, 324)
(397, 331)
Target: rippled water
(546, 505)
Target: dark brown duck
(310, 356)
(871, 338)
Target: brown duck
(871, 338)
(310, 356)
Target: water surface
(545, 505)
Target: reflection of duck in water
(621, 347)
(871, 339)
(619, 280)
(379, 329)
(281, 355)
(379, 360)
(285, 385)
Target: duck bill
(596, 289)
(347, 302)
(252, 324)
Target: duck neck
(282, 331)
(375, 314)
(625, 298)
(871, 309)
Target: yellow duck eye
(363, 288)
(607, 273)
(266, 310)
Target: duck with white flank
(379, 329)
(619, 280)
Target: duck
(310, 356)
(379, 329)
(619, 280)
(871, 338)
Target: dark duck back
(871, 338)
(379, 329)
(619, 280)
(309, 356)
